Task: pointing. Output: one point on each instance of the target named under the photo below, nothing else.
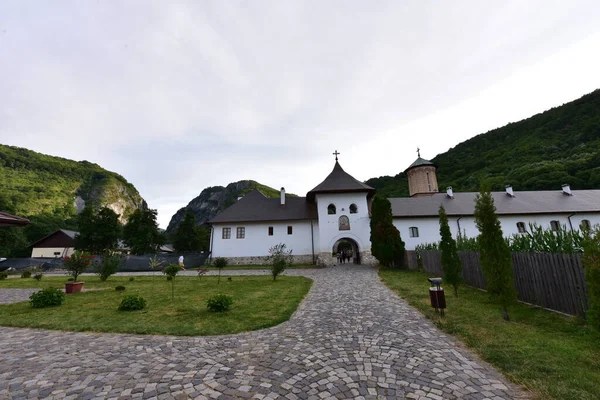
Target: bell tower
(422, 180)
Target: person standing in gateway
(181, 263)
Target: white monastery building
(336, 214)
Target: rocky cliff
(214, 199)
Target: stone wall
(306, 259)
(326, 259)
(418, 183)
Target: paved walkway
(350, 338)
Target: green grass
(552, 355)
(259, 302)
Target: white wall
(48, 252)
(257, 241)
(329, 232)
(429, 228)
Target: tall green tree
(99, 231)
(450, 261)
(187, 237)
(495, 257)
(141, 232)
(386, 244)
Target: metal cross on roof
(336, 154)
(418, 152)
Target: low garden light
(436, 295)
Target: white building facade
(336, 214)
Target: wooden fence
(553, 281)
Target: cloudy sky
(177, 96)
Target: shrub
(171, 272)
(38, 276)
(132, 302)
(131, 279)
(3, 276)
(220, 263)
(169, 278)
(279, 258)
(77, 263)
(47, 298)
(109, 265)
(26, 274)
(71, 280)
(219, 303)
(120, 288)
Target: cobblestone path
(351, 338)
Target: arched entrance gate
(349, 246)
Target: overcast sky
(177, 96)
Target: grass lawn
(554, 356)
(258, 302)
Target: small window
(289, 229)
(331, 209)
(414, 231)
(241, 233)
(270, 231)
(226, 233)
(555, 225)
(585, 225)
(521, 227)
(353, 208)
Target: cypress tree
(591, 265)
(450, 260)
(386, 244)
(187, 236)
(495, 257)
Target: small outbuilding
(7, 220)
(57, 244)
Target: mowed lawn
(554, 356)
(258, 302)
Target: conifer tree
(141, 232)
(187, 236)
(495, 257)
(386, 244)
(591, 265)
(450, 261)
(98, 231)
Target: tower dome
(422, 180)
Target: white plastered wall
(48, 252)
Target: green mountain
(215, 199)
(561, 145)
(51, 190)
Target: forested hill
(49, 190)
(561, 145)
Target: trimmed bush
(48, 297)
(109, 265)
(132, 302)
(71, 280)
(38, 275)
(120, 288)
(26, 274)
(3, 276)
(219, 303)
(131, 279)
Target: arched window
(585, 225)
(521, 227)
(331, 209)
(555, 225)
(353, 208)
(344, 223)
(414, 231)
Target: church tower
(422, 180)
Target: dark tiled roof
(526, 202)
(255, 207)
(339, 181)
(69, 233)
(12, 220)
(419, 162)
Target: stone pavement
(350, 338)
(15, 295)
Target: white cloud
(180, 96)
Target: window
(344, 223)
(289, 229)
(353, 208)
(414, 231)
(270, 231)
(555, 225)
(226, 233)
(331, 209)
(585, 225)
(241, 233)
(521, 227)
(428, 182)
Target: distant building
(336, 214)
(57, 244)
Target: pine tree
(495, 257)
(187, 237)
(591, 265)
(450, 260)
(386, 244)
